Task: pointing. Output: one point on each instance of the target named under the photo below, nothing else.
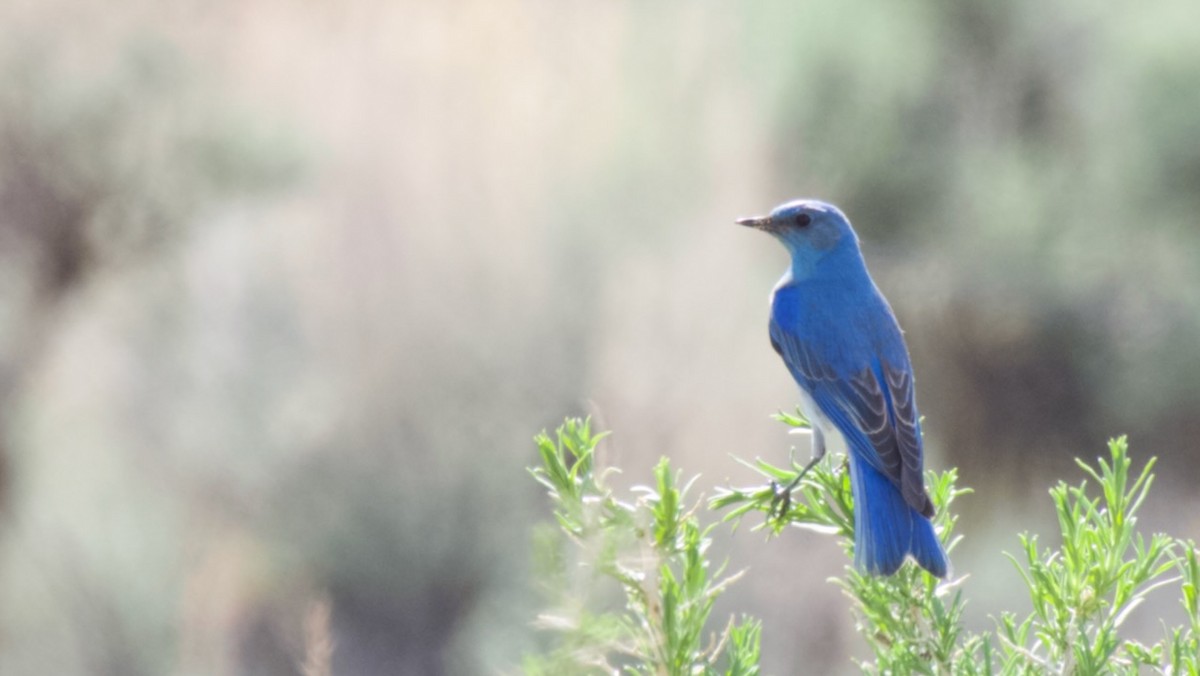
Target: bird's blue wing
(873, 406)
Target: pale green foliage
(1084, 591)
(1081, 592)
(912, 623)
(653, 548)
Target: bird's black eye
(803, 219)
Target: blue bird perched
(840, 341)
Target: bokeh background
(287, 287)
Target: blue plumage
(840, 341)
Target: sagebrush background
(287, 287)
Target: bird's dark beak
(756, 222)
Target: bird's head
(810, 229)
(804, 224)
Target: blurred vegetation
(283, 287)
(97, 173)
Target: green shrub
(654, 547)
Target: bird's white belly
(808, 406)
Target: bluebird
(841, 342)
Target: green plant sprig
(655, 549)
(1082, 592)
(912, 623)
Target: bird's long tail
(886, 528)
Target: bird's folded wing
(874, 408)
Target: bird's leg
(782, 502)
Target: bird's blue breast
(837, 324)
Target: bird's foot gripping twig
(781, 502)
